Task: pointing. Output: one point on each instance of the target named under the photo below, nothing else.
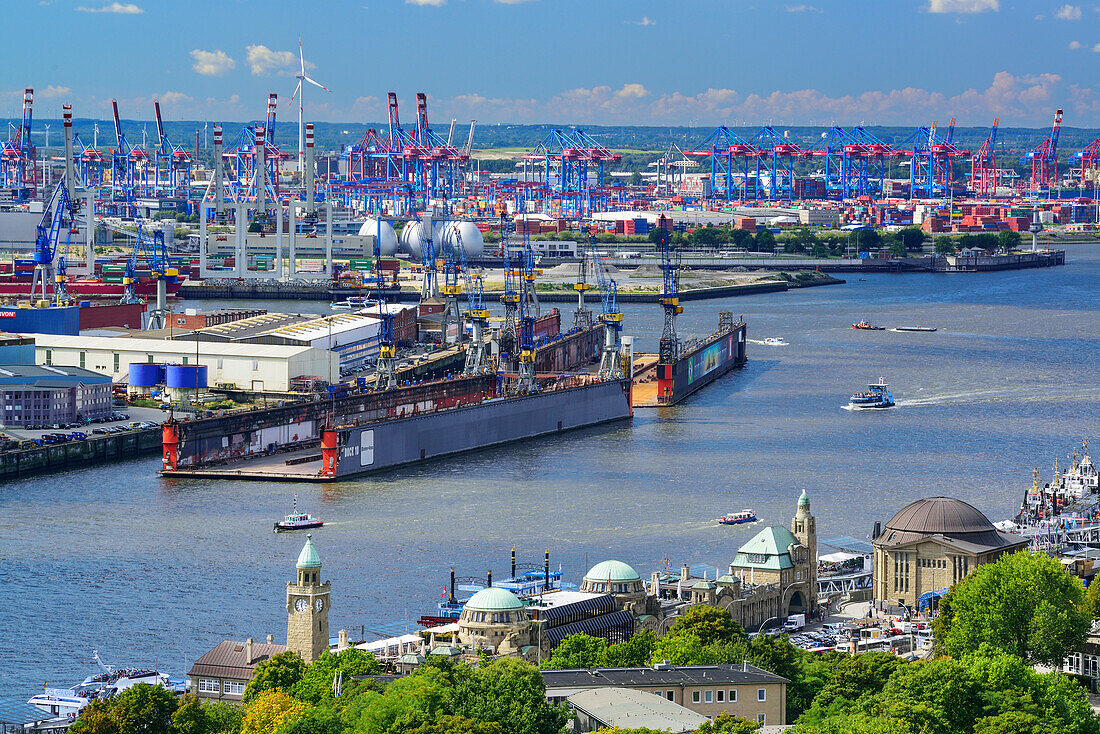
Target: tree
(897, 248)
(765, 240)
(820, 251)
(726, 723)
(857, 677)
(457, 725)
(633, 653)
(144, 708)
(269, 709)
(512, 693)
(912, 238)
(316, 720)
(741, 239)
(1091, 605)
(225, 718)
(1025, 604)
(278, 671)
(95, 718)
(191, 717)
(405, 704)
(1008, 240)
(709, 624)
(577, 651)
(945, 246)
(868, 239)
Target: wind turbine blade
(297, 90)
(301, 58)
(316, 84)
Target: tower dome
(309, 557)
(493, 600)
(611, 571)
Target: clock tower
(307, 602)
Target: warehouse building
(256, 367)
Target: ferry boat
(915, 328)
(864, 326)
(737, 518)
(352, 303)
(1082, 478)
(297, 520)
(66, 703)
(775, 341)
(876, 396)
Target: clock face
(319, 604)
(301, 605)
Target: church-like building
(224, 672)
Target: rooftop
(627, 708)
(659, 675)
(228, 659)
(768, 549)
(611, 571)
(494, 600)
(949, 521)
(163, 346)
(31, 374)
(309, 557)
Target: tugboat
(864, 326)
(877, 396)
(737, 518)
(297, 520)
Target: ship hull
(701, 365)
(86, 289)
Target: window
(733, 695)
(49, 356)
(185, 360)
(721, 696)
(149, 358)
(83, 358)
(762, 718)
(208, 686)
(234, 687)
(670, 695)
(116, 362)
(255, 364)
(761, 694)
(219, 363)
(709, 697)
(695, 697)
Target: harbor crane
(669, 350)
(153, 250)
(49, 262)
(582, 315)
(18, 156)
(1044, 159)
(385, 373)
(451, 274)
(611, 317)
(476, 357)
(983, 166)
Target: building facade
(43, 396)
(932, 543)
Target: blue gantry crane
(669, 349)
(49, 261)
(610, 316)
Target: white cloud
(1068, 12)
(802, 9)
(962, 6)
(211, 63)
(174, 98)
(1096, 48)
(512, 2)
(1074, 45)
(52, 91)
(432, 3)
(261, 59)
(645, 21)
(115, 7)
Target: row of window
(495, 618)
(719, 695)
(932, 563)
(901, 572)
(233, 687)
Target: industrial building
(246, 366)
(42, 396)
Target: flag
(444, 596)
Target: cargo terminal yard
(441, 275)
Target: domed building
(495, 619)
(932, 543)
(617, 579)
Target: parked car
(99, 431)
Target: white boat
(775, 341)
(352, 303)
(876, 396)
(297, 520)
(1082, 478)
(66, 703)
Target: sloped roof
(228, 660)
(772, 543)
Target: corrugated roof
(940, 515)
(629, 709)
(163, 346)
(228, 660)
(683, 675)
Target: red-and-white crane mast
(983, 166)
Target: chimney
(513, 561)
(452, 599)
(248, 651)
(309, 173)
(271, 639)
(546, 570)
(655, 584)
(877, 530)
(489, 579)
(343, 640)
(685, 572)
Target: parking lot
(119, 425)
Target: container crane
(153, 250)
(385, 373)
(1044, 159)
(983, 166)
(582, 315)
(18, 155)
(510, 298)
(1089, 159)
(476, 358)
(49, 263)
(451, 274)
(175, 161)
(669, 350)
(612, 319)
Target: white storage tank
(472, 240)
(412, 239)
(387, 238)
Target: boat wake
(766, 343)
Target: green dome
(494, 600)
(611, 571)
(309, 558)
(448, 650)
(804, 499)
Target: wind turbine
(298, 91)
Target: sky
(608, 62)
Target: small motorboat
(775, 341)
(864, 326)
(297, 520)
(737, 518)
(915, 328)
(876, 396)
(353, 303)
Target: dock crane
(385, 373)
(451, 274)
(429, 286)
(476, 357)
(582, 315)
(611, 317)
(49, 263)
(153, 249)
(1044, 159)
(669, 350)
(983, 166)
(175, 160)
(511, 297)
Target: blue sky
(643, 62)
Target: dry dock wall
(76, 454)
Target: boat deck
(266, 467)
(644, 393)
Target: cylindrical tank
(472, 240)
(412, 238)
(387, 238)
(144, 374)
(186, 376)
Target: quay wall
(93, 450)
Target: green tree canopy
(577, 651)
(1008, 240)
(912, 238)
(765, 240)
(280, 671)
(1025, 604)
(191, 717)
(635, 652)
(726, 723)
(511, 693)
(709, 624)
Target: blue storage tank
(145, 374)
(186, 376)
